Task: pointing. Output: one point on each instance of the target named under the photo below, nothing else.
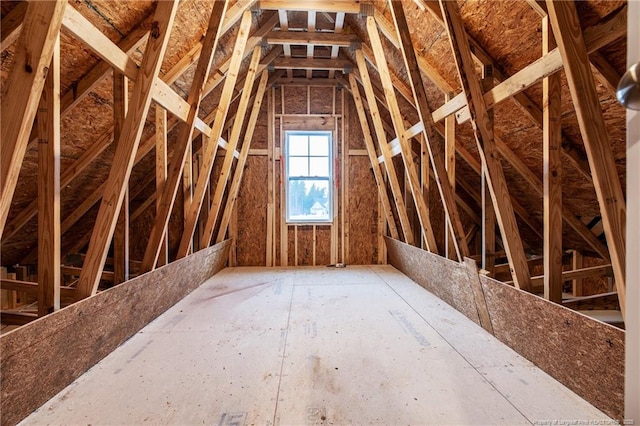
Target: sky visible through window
(308, 158)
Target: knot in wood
(155, 30)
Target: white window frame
(330, 179)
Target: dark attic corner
(177, 175)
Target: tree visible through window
(309, 176)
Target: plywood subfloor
(313, 346)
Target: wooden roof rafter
(434, 144)
(185, 135)
(566, 28)
(126, 148)
(486, 145)
(103, 141)
(35, 48)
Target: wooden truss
(34, 91)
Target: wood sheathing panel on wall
(355, 225)
(445, 278)
(252, 213)
(583, 354)
(91, 329)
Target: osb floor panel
(313, 346)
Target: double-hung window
(309, 176)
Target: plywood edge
(35, 363)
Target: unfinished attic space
(318, 212)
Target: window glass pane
(319, 166)
(298, 166)
(319, 145)
(308, 200)
(298, 145)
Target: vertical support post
(576, 263)
(121, 235)
(488, 213)
(161, 174)
(126, 149)
(552, 174)
(49, 189)
(568, 33)
(450, 166)
(270, 181)
(486, 145)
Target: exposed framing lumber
(346, 6)
(392, 176)
(19, 105)
(434, 143)
(599, 34)
(315, 39)
(126, 148)
(398, 124)
(606, 74)
(67, 102)
(183, 142)
(576, 263)
(227, 164)
(593, 271)
(596, 37)
(244, 153)
(309, 64)
(12, 24)
(552, 175)
(31, 289)
(371, 151)
(145, 147)
(218, 125)
(121, 235)
(100, 44)
(488, 230)
(311, 28)
(566, 28)
(486, 145)
(161, 176)
(450, 165)
(49, 188)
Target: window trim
(330, 179)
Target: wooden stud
(270, 255)
(49, 189)
(450, 165)
(392, 176)
(225, 172)
(568, 34)
(552, 175)
(183, 144)
(218, 124)
(488, 212)
(311, 29)
(486, 145)
(345, 6)
(20, 102)
(126, 150)
(121, 235)
(338, 28)
(435, 144)
(576, 263)
(398, 124)
(161, 174)
(242, 159)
